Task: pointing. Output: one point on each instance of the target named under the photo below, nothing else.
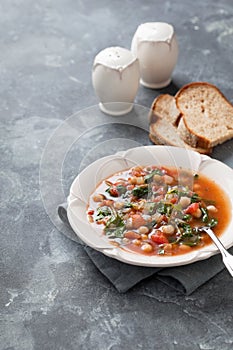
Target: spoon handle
(227, 257)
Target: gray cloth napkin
(185, 279)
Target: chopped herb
(205, 215)
(161, 251)
(173, 190)
(180, 192)
(187, 217)
(213, 222)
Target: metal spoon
(227, 257)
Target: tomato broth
(157, 210)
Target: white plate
(89, 178)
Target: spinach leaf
(115, 227)
(102, 212)
(115, 220)
(140, 192)
(116, 232)
(191, 243)
(121, 189)
(164, 208)
(187, 230)
(195, 198)
(190, 237)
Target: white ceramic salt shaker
(156, 47)
(115, 77)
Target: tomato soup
(158, 210)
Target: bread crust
(164, 117)
(164, 133)
(190, 134)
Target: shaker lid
(115, 57)
(155, 31)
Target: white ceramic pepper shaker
(115, 78)
(156, 47)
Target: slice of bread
(207, 116)
(164, 106)
(163, 118)
(164, 133)
(185, 135)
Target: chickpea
(212, 208)
(144, 237)
(140, 180)
(133, 180)
(167, 179)
(143, 230)
(167, 247)
(137, 168)
(147, 248)
(129, 223)
(136, 242)
(167, 229)
(132, 235)
(157, 217)
(197, 214)
(138, 220)
(139, 205)
(98, 197)
(184, 202)
(90, 218)
(184, 248)
(157, 178)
